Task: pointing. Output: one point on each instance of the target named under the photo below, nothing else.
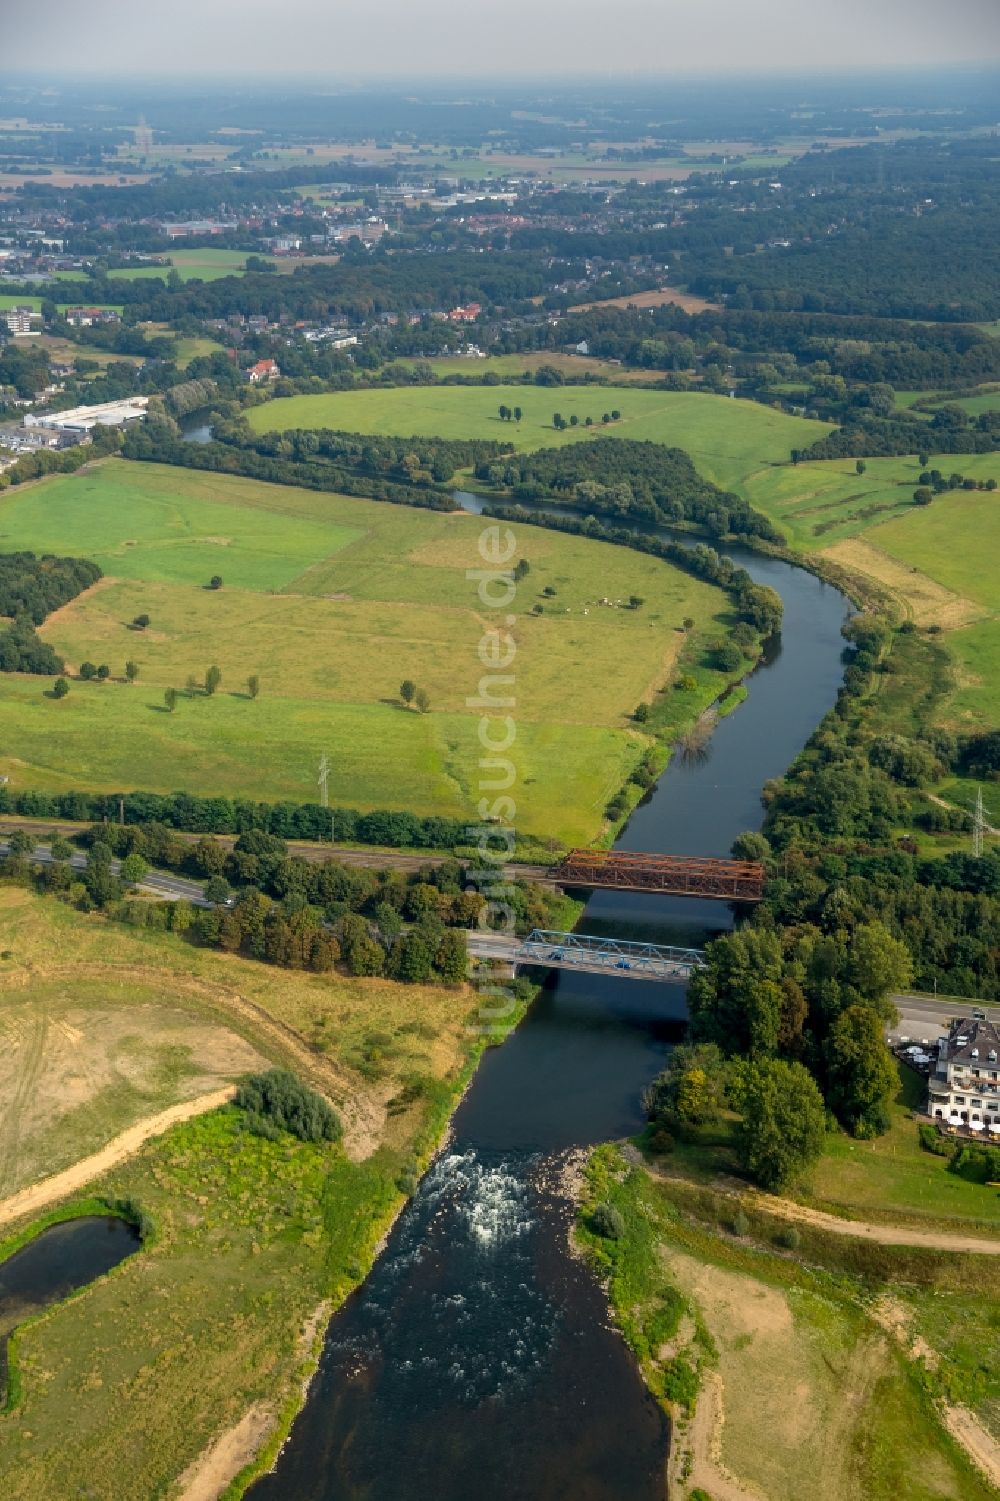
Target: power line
(978, 825)
(323, 780)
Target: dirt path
(49, 1190)
(883, 1235)
(698, 1451)
(981, 1447)
(211, 1472)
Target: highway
(158, 882)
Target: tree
(61, 850)
(504, 413)
(783, 1121)
(407, 690)
(21, 842)
(750, 846)
(253, 685)
(861, 1077)
(133, 869)
(88, 670)
(615, 415)
(451, 960)
(103, 672)
(170, 699)
(860, 466)
(573, 420)
(60, 688)
(216, 889)
(640, 713)
(517, 414)
(728, 657)
(191, 685)
(131, 671)
(422, 700)
(140, 622)
(880, 965)
(923, 495)
(215, 582)
(213, 677)
(691, 1089)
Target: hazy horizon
(391, 41)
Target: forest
(646, 482)
(30, 590)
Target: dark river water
(56, 1263)
(477, 1362)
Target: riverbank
(726, 1316)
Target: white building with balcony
(964, 1086)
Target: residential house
(264, 370)
(964, 1087)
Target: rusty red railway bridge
(669, 875)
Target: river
(478, 1360)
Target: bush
(607, 1221)
(931, 1140)
(277, 1101)
(741, 1225)
(789, 1238)
(661, 1141)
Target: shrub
(607, 1221)
(789, 1238)
(741, 1225)
(277, 1101)
(661, 1141)
(931, 1140)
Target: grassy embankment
(213, 1326)
(816, 1376)
(332, 602)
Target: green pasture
(728, 439)
(331, 602)
(954, 540)
(159, 523)
(819, 503)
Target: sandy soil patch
(925, 601)
(660, 298)
(40, 1195)
(211, 1472)
(73, 1074)
(981, 1447)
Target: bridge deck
(625, 958)
(669, 875)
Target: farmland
(331, 602)
(729, 440)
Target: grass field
(818, 504)
(728, 439)
(213, 1323)
(516, 364)
(804, 1395)
(9, 300)
(332, 602)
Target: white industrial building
(82, 419)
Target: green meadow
(728, 439)
(331, 602)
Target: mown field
(331, 602)
(729, 440)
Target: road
(927, 1017)
(158, 882)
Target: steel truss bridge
(669, 875)
(623, 957)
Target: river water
(477, 1361)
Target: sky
(415, 39)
